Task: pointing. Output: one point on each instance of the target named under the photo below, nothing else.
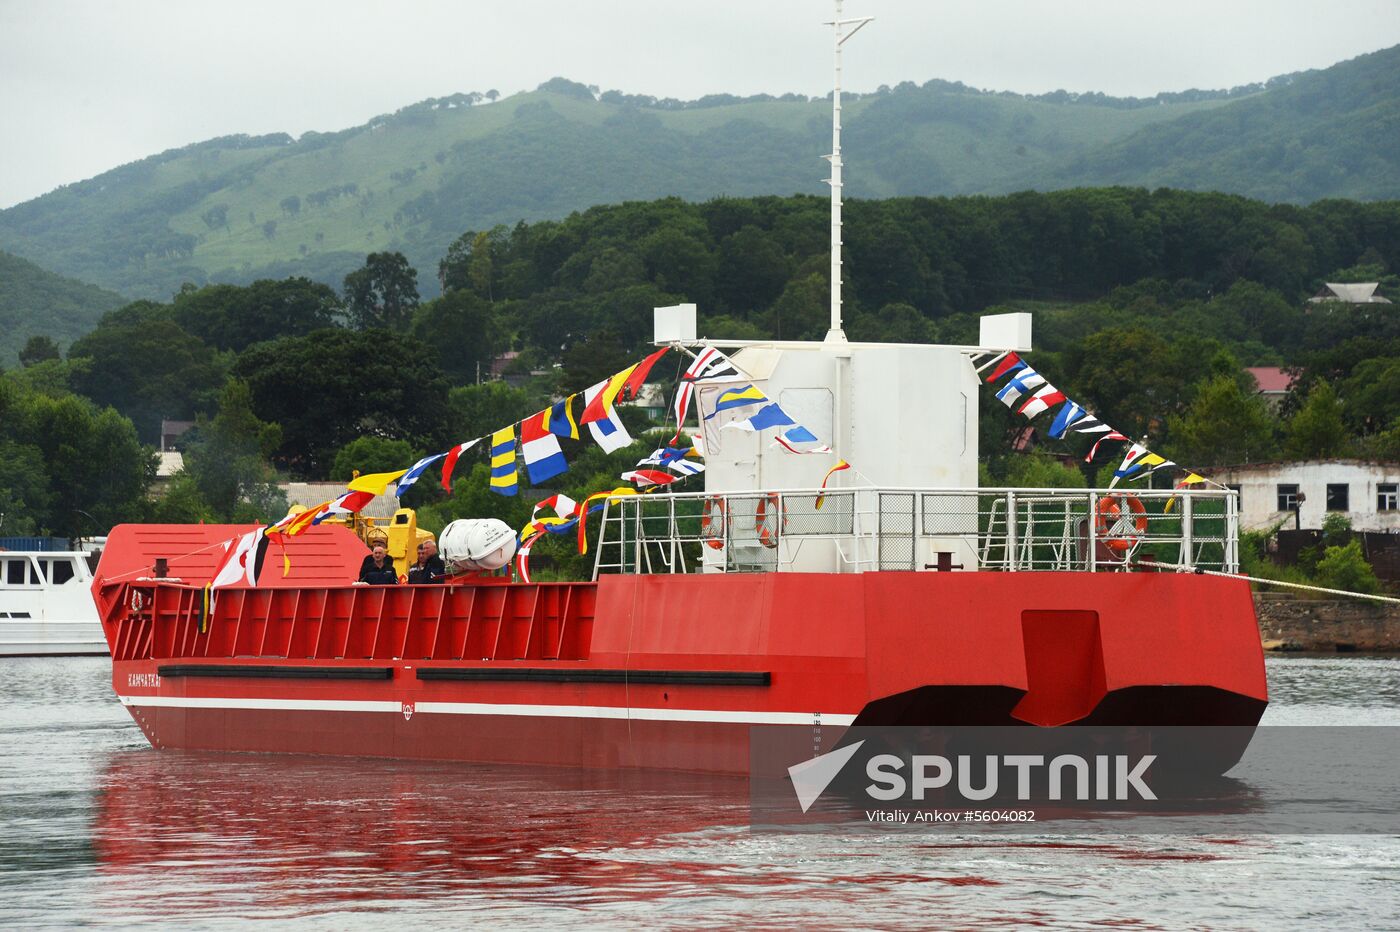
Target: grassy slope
(1328, 133)
(140, 228)
(36, 302)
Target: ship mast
(841, 34)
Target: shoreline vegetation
(1147, 304)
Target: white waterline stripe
(638, 713)
(487, 708)
(300, 705)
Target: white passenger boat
(46, 605)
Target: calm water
(95, 828)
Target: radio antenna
(841, 34)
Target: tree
(1345, 567)
(231, 317)
(372, 454)
(893, 323)
(803, 311)
(592, 360)
(227, 460)
(147, 371)
(475, 261)
(755, 270)
(1386, 444)
(1317, 431)
(679, 262)
(329, 387)
(94, 470)
(182, 503)
(481, 266)
(461, 328)
(1134, 378)
(38, 349)
(1224, 424)
(476, 410)
(25, 497)
(384, 293)
(1036, 471)
(1372, 393)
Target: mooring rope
(1270, 582)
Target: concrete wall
(1259, 492)
(1344, 624)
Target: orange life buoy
(768, 536)
(1120, 522)
(712, 523)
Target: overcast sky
(86, 85)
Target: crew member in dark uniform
(378, 567)
(429, 568)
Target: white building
(1349, 293)
(1365, 492)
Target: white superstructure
(46, 605)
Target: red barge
(904, 594)
(661, 670)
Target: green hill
(35, 302)
(240, 208)
(1329, 133)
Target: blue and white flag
(664, 456)
(1022, 382)
(414, 471)
(686, 467)
(1067, 415)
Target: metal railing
(867, 529)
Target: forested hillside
(35, 302)
(242, 208)
(1147, 305)
(1330, 133)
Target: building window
(1388, 496)
(1287, 496)
(1239, 496)
(1338, 497)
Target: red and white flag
(1044, 397)
(449, 462)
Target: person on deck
(429, 568)
(378, 568)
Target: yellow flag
(504, 478)
(840, 465)
(1191, 479)
(375, 483)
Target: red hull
(667, 671)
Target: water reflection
(96, 828)
(301, 831)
